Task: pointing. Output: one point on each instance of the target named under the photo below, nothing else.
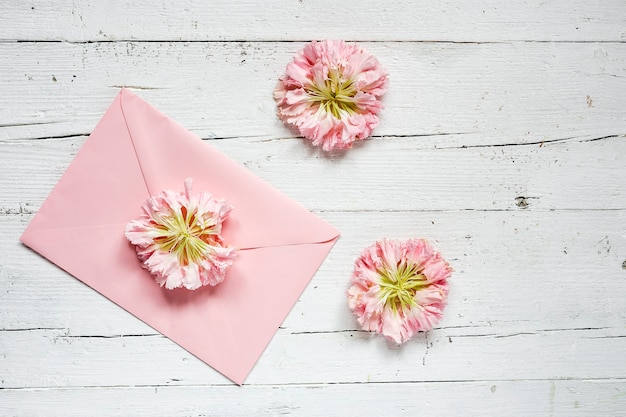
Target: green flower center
(182, 235)
(335, 95)
(399, 285)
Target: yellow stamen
(399, 285)
(336, 94)
(182, 235)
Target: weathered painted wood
(566, 398)
(390, 174)
(502, 140)
(472, 94)
(58, 360)
(515, 272)
(406, 20)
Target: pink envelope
(135, 152)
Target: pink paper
(135, 152)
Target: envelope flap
(168, 153)
(100, 184)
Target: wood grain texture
(289, 20)
(488, 398)
(571, 175)
(515, 296)
(498, 317)
(503, 140)
(462, 94)
(444, 355)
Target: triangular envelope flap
(227, 326)
(100, 184)
(262, 215)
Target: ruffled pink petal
(140, 233)
(298, 73)
(295, 103)
(394, 328)
(390, 253)
(214, 269)
(370, 104)
(437, 270)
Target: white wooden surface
(503, 140)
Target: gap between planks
(314, 384)
(300, 41)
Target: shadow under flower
(180, 296)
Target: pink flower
(177, 238)
(331, 92)
(399, 288)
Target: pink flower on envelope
(177, 238)
(136, 152)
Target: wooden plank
(394, 174)
(440, 94)
(564, 398)
(515, 272)
(502, 140)
(53, 358)
(448, 20)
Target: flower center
(182, 235)
(398, 286)
(335, 94)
